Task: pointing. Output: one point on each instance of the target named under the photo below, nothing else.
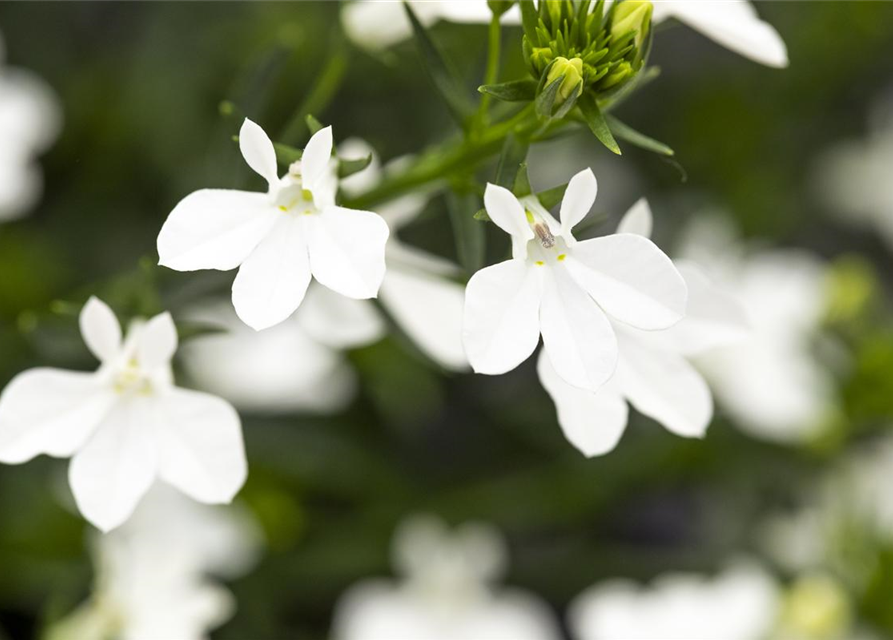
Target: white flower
(565, 290)
(377, 24)
(653, 373)
(732, 23)
(29, 122)
(446, 592)
(278, 238)
(740, 604)
(125, 424)
(297, 365)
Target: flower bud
(632, 15)
(572, 70)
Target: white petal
(347, 250)
(316, 157)
(117, 466)
(258, 151)
(663, 386)
(271, 283)
(339, 322)
(100, 329)
(200, 449)
(576, 334)
(214, 229)
(578, 200)
(500, 327)
(592, 422)
(50, 411)
(157, 341)
(637, 220)
(631, 279)
(429, 310)
(508, 214)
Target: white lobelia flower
(125, 424)
(742, 603)
(279, 238)
(446, 592)
(653, 373)
(377, 24)
(732, 23)
(29, 122)
(565, 290)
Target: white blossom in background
(741, 603)
(565, 290)
(772, 382)
(298, 365)
(29, 123)
(153, 574)
(125, 424)
(280, 238)
(377, 24)
(446, 591)
(653, 372)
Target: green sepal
(627, 133)
(521, 187)
(347, 168)
(551, 197)
(512, 156)
(529, 19)
(596, 121)
(481, 215)
(546, 99)
(313, 124)
(285, 154)
(512, 91)
(469, 235)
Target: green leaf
(285, 154)
(514, 153)
(469, 234)
(440, 73)
(568, 104)
(597, 123)
(529, 18)
(313, 124)
(521, 187)
(523, 90)
(349, 167)
(550, 197)
(627, 133)
(546, 99)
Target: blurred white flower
(125, 424)
(377, 24)
(29, 122)
(446, 591)
(279, 238)
(732, 23)
(297, 365)
(653, 373)
(565, 290)
(772, 382)
(742, 603)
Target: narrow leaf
(596, 122)
(529, 18)
(285, 154)
(550, 197)
(514, 153)
(513, 91)
(521, 187)
(546, 99)
(313, 124)
(627, 133)
(469, 233)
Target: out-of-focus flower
(297, 365)
(653, 373)
(742, 603)
(732, 23)
(376, 24)
(771, 382)
(279, 238)
(565, 290)
(125, 424)
(153, 573)
(446, 592)
(29, 122)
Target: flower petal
(500, 326)
(339, 322)
(200, 448)
(631, 279)
(258, 151)
(316, 157)
(116, 467)
(347, 250)
(592, 422)
(578, 200)
(637, 220)
(214, 229)
(576, 333)
(100, 329)
(50, 411)
(157, 341)
(271, 283)
(508, 214)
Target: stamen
(542, 232)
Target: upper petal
(200, 447)
(214, 229)
(576, 334)
(631, 279)
(592, 422)
(157, 341)
(347, 250)
(578, 200)
(500, 326)
(316, 157)
(258, 151)
(50, 411)
(508, 214)
(637, 220)
(100, 329)
(272, 281)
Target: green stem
(321, 94)
(492, 72)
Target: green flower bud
(498, 7)
(632, 15)
(572, 70)
(620, 74)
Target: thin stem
(492, 72)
